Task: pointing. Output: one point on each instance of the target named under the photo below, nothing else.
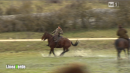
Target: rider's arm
(53, 31)
(61, 31)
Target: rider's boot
(56, 44)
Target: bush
(71, 17)
(1, 11)
(12, 10)
(123, 14)
(25, 8)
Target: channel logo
(15, 66)
(113, 4)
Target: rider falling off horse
(122, 33)
(57, 33)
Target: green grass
(104, 33)
(41, 46)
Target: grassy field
(99, 56)
(41, 46)
(106, 33)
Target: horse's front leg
(50, 52)
(52, 49)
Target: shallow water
(99, 61)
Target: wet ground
(38, 62)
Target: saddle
(57, 41)
(59, 37)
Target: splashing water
(80, 52)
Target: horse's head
(45, 36)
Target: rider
(122, 33)
(57, 33)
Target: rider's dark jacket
(122, 33)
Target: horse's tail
(76, 43)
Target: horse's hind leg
(125, 52)
(128, 51)
(66, 50)
(62, 52)
(118, 54)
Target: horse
(62, 43)
(122, 44)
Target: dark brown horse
(63, 43)
(122, 44)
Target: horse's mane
(48, 33)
